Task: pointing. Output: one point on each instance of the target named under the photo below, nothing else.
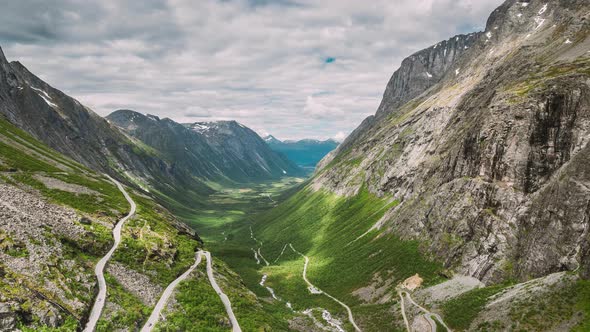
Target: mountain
(56, 218)
(271, 139)
(60, 213)
(243, 149)
(215, 151)
(305, 153)
(77, 132)
(473, 172)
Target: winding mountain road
(155, 316)
(404, 311)
(99, 270)
(314, 290)
(234, 321)
(427, 314)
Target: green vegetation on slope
(324, 227)
(126, 311)
(198, 307)
(459, 312)
(328, 229)
(566, 304)
(582, 298)
(151, 244)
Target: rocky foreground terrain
(56, 219)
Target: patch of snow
(284, 172)
(495, 28)
(519, 15)
(524, 4)
(45, 97)
(48, 101)
(568, 41)
(428, 75)
(457, 39)
(465, 48)
(457, 72)
(543, 10)
(42, 91)
(489, 34)
(289, 305)
(445, 52)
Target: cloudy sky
(292, 68)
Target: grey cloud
(260, 62)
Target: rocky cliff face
(489, 156)
(213, 151)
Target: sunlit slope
(344, 255)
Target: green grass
(439, 326)
(152, 243)
(198, 307)
(70, 325)
(130, 312)
(324, 227)
(459, 312)
(582, 304)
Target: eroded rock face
(7, 317)
(490, 159)
(422, 70)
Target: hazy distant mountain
(305, 153)
(212, 151)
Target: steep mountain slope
(56, 219)
(305, 153)
(480, 145)
(243, 151)
(224, 150)
(56, 222)
(480, 155)
(76, 131)
(58, 214)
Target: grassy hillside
(55, 294)
(325, 228)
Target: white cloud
(340, 136)
(260, 62)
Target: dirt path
(314, 290)
(155, 316)
(99, 270)
(404, 311)
(232, 317)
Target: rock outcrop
(489, 156)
